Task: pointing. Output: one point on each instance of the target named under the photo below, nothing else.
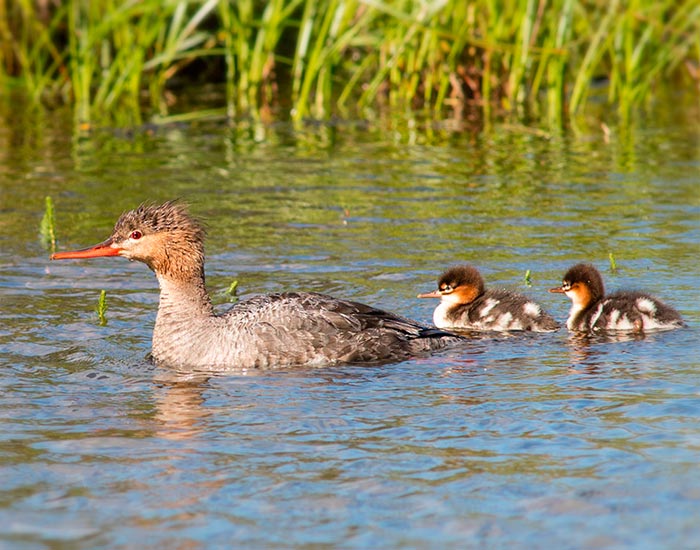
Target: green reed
(232, 291)
(116, 61)
(47, 228)
(101, 308)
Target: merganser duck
(593, 311)
(288, 329)
(466, 304)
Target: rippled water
(531, 441)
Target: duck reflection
(586, 354)
(179, 398)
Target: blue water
(528, 441)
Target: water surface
(530, 441)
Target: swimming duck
(291, 328)
(465, 303)
(593, 311)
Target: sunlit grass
(117, 62)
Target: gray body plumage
(280, 330)
(626, 311)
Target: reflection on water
(587, 354)
(511, 439)
(178, 404)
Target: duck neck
(185, 315)
(183, 300)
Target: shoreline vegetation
(125, 63)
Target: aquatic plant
(232, 291)
(47, 228)
(102, 307)
(613, 264)
(528, 278)
(306, 58)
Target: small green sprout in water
(231, 291)
(102, 307)
(528, 278)
(47, 228)
(613, 265)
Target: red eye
(136, 235)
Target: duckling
(628, 311)
(466, 304)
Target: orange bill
(433, 294)
(557, 290)
(103, 249)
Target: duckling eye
(566, 285)
(446, 288)
(136, 235)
